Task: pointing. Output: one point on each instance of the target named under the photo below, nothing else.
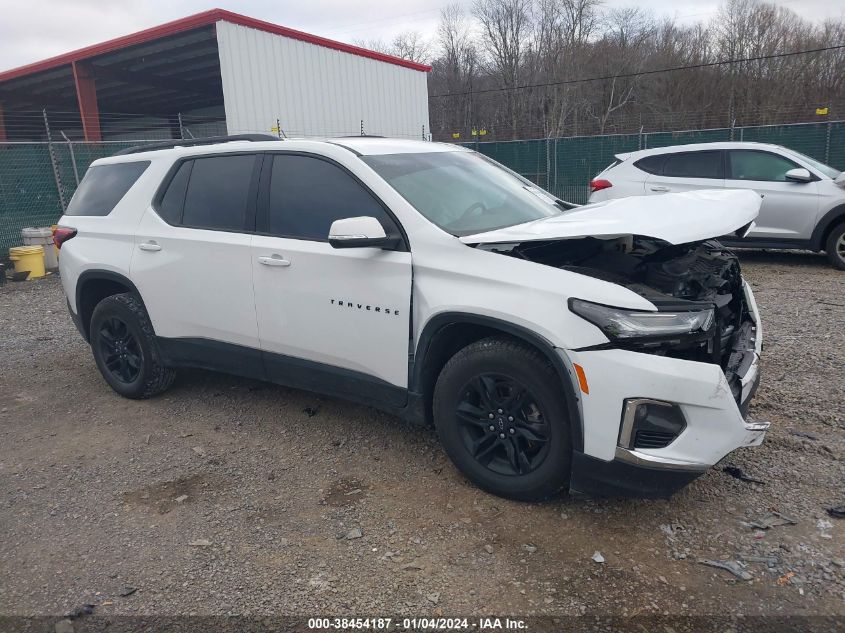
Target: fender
(97, 275)
(828, 220)
(436, 324)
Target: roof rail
(209, 140)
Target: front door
(789, 209)
(332, 320)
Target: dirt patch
(162, 497)
(345, 492)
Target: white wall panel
(314, 90)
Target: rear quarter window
(651, 164)
(103, 187)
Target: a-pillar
(86, 94)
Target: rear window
(103, 187)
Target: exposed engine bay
(672, 277)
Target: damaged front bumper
(713, 402)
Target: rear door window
(170, 207)
(707, 164)
(754, 165)
(103, 187)
(218, 192)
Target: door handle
(660, 189)
(273, 260)
(149, 246)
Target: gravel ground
(227, 496)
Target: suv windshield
(827, 170)
(463, 192)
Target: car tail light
(597, 184)
(62, 234)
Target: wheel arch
(92, 287)
(829, 221)
(446, 333)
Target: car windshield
(827, 170)
(464, 192)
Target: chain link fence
(565, 166)
(37, 180)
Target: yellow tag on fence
(822, 111)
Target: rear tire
(125, 348)
(835, 247)
(501, 415)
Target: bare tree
(505, 27)
(410, 45)
(535, 68)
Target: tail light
(62, 234)
(597, 184)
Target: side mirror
(799, 174)
(357, 233)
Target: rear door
(685, 171)
(329, 319)
(191, 261)
(789, 208)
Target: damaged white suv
(596, 349)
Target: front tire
(835, 247)
(125, 349)
(501, 415)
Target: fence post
(181, 127)
(54, 162)
(72, 156)
(362, 127)
(827, 134)
(733, 124)
(640, 139)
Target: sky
(33, 30)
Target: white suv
(610, 351)
(803, 199)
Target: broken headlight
(627, 325)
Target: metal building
(212, 73)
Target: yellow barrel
(28, 259)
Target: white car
(610, 350)
(803, 199)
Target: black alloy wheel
(120, 350)
(126, 349)
(502, 414)
(502, 425)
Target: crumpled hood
(677, 218)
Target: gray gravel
(224, 496)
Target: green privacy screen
(565, 166)
(33, 174)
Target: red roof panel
(196, 21)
